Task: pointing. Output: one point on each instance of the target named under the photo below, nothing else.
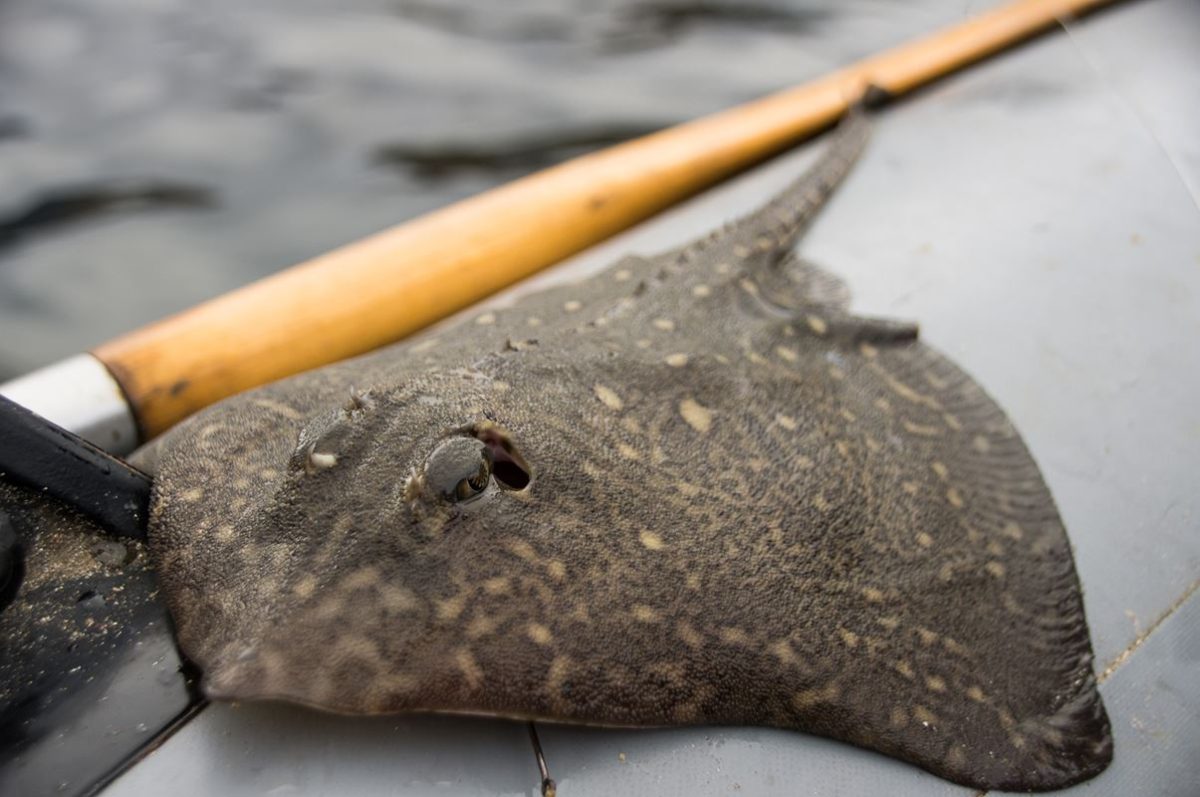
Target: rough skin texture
(747, 506)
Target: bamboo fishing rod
(387, 286)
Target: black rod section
(38, 454)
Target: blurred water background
(156, 153)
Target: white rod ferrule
(80, 395)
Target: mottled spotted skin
(748, 506)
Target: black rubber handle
(38, 454)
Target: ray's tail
(787, 216)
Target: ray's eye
(474, 485)
(459, 469)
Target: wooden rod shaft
(387, 286)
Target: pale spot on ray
(397, 598)
(872, 595)
(756, 358)
(688, 489)
(935, 684)
(924, 540)
(697, 416)
(782, 650)
(955, 498)
(994, 569)
(924, 715)
(533, 321)
(690, 636)
(749, 286)
(692, 581)
(787, 422)
(764, 243)
(816, 324)
(677, 360)
(848, 415)
(631, 425)
(559, 668)
(995, 548)
(954, 646)
(808, 698)
(469, 668)
(450, 608)
(628, 451)
(937, 383)
(361, 579)
(741, 252)
(701, 291)
(884, 405)
(622, 274)
(927, 637)
(305, 586)
(820, 503)
(836, 373)
(940, 469)
(890, 623)
(486, 319)
(644, 614)
(665, 324)
(903, 390)
(788, 354)
(952, 421)
(573, 305)
(723, 268)
(539, 633)
(642, 344)
(192, 495)
(899, 717)
(905, 669)
(981, 444)
(976, 694)
(843, 448)
(722, 359)
(849, 638)
(733, 636)
(1012, 531)
(480, 626)
(651, 540)
(868, 350)
(921, 429)
(522, 549)
(608, 397)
